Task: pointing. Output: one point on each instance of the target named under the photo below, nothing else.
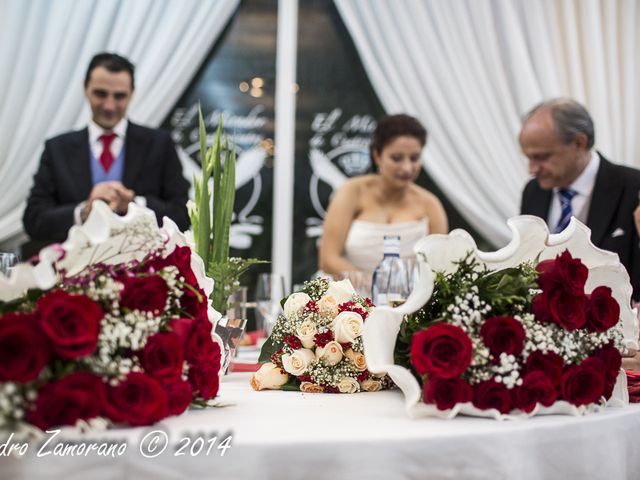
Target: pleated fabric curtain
(469, 69)
(45, 47)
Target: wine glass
(360, 281)
(7, 262)
(269, 292)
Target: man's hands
(113, 193)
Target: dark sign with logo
(336, 112)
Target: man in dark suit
(572, 179)
(113, 160)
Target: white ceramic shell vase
(106, 238)
(531, 239)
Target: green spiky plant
(211, 216)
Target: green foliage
(268, 349)
(211, 216)
(25, 303)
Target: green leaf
(292, 385)
(268, 349)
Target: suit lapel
(77, 159)
(541, 202)
(604, 199)
(136, 147)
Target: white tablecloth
(284, 435)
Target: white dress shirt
(583, 186)
(96, 131)
(95, 143)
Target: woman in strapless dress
(388, 202)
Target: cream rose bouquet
(316, 344)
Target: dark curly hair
(391, 126)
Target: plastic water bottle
(390, 282)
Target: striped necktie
(566, 195)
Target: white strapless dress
(364, 244)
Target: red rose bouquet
(517, 339)
(131, 342)
(316, 344)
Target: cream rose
(305, 332)
(331, 353)
(348, 385)
(295, 303)
(269, 377)
(342, 291)
(297, 362)
(347, 326)
(357, 359)
(328, 305)
(371, 385)
(309, 387)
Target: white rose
(328, 305)
(297, 362)
(269, 377)
(348, 385)
(331, 353)
(371, 385)
(342, 291)
(347, 326)
(295, 303)
(306, 332)
(357, 359)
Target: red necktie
(106, 158)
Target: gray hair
(570, 118)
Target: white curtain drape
(45, 47)
(470, 68)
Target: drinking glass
(269, 292)
(231, 331)
(7, 262)
(237, 304)
(412, 265)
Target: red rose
(137, 400)
(549, 363)
(540, 308)
(182, 327)
(491, 394)
(603, 312)
(162, 356)
(70, 322)
(200, 347)
(567, 311)
(612, 360)
(446, 392)
(180, 394)
(536, 388)
(444, 350)
(180, 258)
(147, 294)
(24, 350)
(204, 378)
(194, 303)
(503, 335)
(63, 402)
(584, 383)
(564, 272)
